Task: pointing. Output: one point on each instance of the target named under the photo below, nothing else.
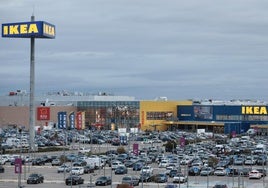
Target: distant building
(107, 111)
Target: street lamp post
(19, 172)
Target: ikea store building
(105, 111)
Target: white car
(64, 168)
(84, 150)
(77, 171)
(254, 174)
(163, 164)
(3, 160)
(115, 164)
(180, 178)
(146, 170)
(250, 161)
(220, 171)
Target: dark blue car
(137, 166)
(120, 170)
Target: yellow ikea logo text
(48, 29)
(20, 29)
(257, 110)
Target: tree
(170, 146)
(121, 150)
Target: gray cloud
(179, 49)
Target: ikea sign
(254, 110)
(37, 29)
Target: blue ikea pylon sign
(36, 29)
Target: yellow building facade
(154, 114)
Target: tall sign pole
(33, 29)
(32, 87)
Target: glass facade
(123, 114)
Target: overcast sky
(180, 49)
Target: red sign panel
(136, 149)
(18, 165)
(79, 120)
(43, 113)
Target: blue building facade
(236, 118)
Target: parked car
(244, 171)
(233, 172)
(239, 161)
(180, 178)
(220, 171)
(173, 172)
(131, 180)
(206, 171)
(35, 178)
(250, 160)
(38, 162)
(137, 166)
(163, 164)
(145, 177)
(254, 174)
(121, 170)
(262, 171)
(194, 170)
(103, 180)
(77, 170)
(147, 169)
(88, 169)
(64, 168)
(79, 163)
(161, 178)
(56, 162)
(115, 164)
(84, 150)
(74, 180)
(262, 160)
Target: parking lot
(195, 152)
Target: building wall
(254, 114)
(12, 115)
(19, 115)
(153, 114)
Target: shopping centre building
(106, 111)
